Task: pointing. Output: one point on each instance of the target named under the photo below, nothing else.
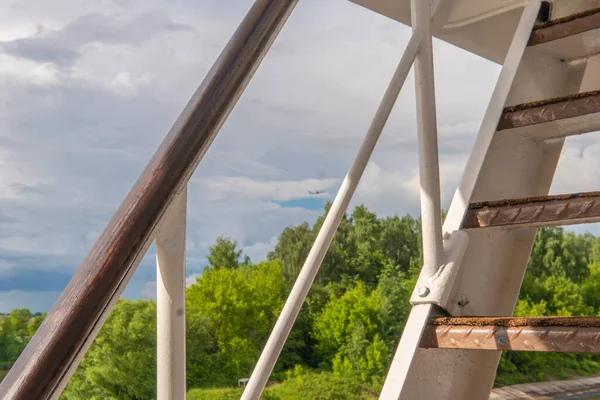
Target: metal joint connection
(435, 288)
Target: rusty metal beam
(550, 110)
(546, 334)
(556, 210)
(512, 322)
(527, 338)
(565, 27)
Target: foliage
(16, 329)
(320, 386)
(395, 287)
(306, 386)
(292, 248)
(347, 333)
(230, 314)
(121, 363)
(563, 278)
(214, 394)
(225, 254)
(347, 330)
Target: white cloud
(398, 189)
(12, 31)
(223, 188)
(579, 167)
(258, 251)
(579, 171)
(16, 69)
(81, 114)
(191, 279)
(13, 180)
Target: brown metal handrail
(46, 364)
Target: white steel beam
(292, 307)
(170, 304)
(431, 210)
(491, 270)
(403, 359)
(429, 169)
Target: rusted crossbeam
(550, 110)
(568, 209)
(565, 27)
(544, 334)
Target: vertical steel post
(290, 311)
(170, 307)
(429, 171)
(431, 210)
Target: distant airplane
(316, 192)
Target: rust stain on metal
(537, 199)
(554, 100)
(449, 322)
(572, 339)
(539, 112)
(564, 27)
(535, 211)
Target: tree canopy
(347, 330)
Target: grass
(309, 386)
(214, 394)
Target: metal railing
(46, 364)
(155, 209)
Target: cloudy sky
(89, 89)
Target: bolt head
(423, 291)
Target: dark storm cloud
(34, 281)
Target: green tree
(19, 320)
(591, 288)
(400, 241)
(292, 249)
(558, 253)
(561, 279)
(347, 333)
(565, 297)
(121, 363)
(338, 262)
(225, 254)
(230, 314)
(348, 328)
(395, 287)
(362, 246)
(34, 324)
(14, 335)
(10, 347)
(367, 258)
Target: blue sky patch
(307, 203)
